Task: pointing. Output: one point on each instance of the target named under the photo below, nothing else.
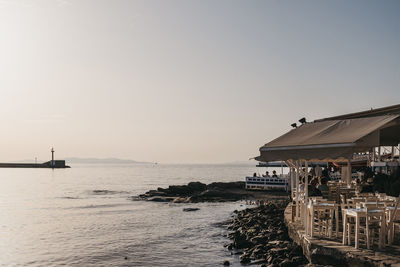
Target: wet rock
(245, 258)
(228, 185)
(195, 192)
(226, 263)
(190, 209)
(262, 234)
(161, 199)
(197, 186)
(258, 262)
(287, 263)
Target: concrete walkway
(332, 252)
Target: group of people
(317, 186)
(274, 175)
(317, 182)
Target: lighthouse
(52, 157)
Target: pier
(53, 164)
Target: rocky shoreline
(195, 192)
(258, 234)
(261, 237)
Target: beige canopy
(333, 139)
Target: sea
(85, 216)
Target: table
(313, 207)
(358, 214)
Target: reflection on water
(85, 216)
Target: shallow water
(84, 216)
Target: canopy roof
(390, 110)
(333, 139)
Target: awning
(332, 139)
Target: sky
(186, 81)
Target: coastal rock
(197, 186)
(245, 258)
(195, 192)
(161, 199)
(260, 231)
(190, 209)
(228, 185)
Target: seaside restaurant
(342, 140)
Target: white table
(358, 214)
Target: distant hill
(104, 161)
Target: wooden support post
(292, 181)
(306, 181)
(348, 180)
(297, 189)
(306, 197)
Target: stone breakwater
(261, 237)
(195, 192)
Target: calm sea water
(84, 216)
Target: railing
(256, 182)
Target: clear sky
(186, 81)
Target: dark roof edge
(395, 109)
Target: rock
(287, 263)
(245, 258)
(274, 243)
(197, 186)
(263, 235)
(181, 200)
(228, 185)
(258, 262)
(297, 259)
(178, 190)
(226, 263)
(190, 209)
(241, 242)
(160, 199)
(198, 192)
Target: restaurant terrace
(356, 211)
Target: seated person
(266, 174)
(254, 174)
(274, 174)
(313, 191)
(323, 187)
(325, 173)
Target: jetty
(52, 164)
